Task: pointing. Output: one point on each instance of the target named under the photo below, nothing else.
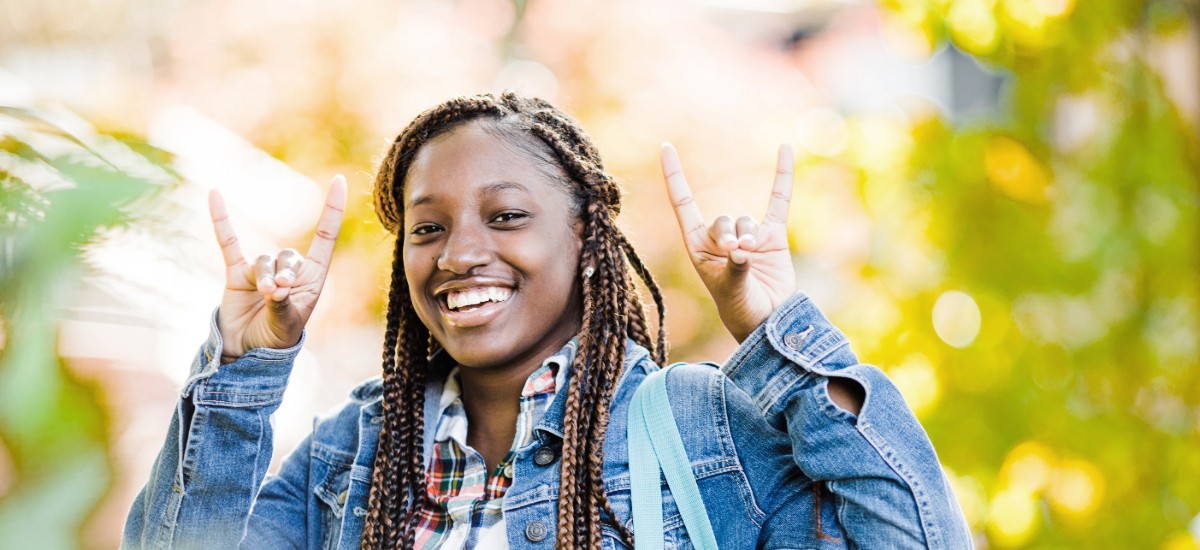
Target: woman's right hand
(267, 303)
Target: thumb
(732, 279)
(282, 318)
(739, 263)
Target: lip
(479, 315)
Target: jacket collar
(551, 424)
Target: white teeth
(475, 296)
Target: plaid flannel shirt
(464, 508)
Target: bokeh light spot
(1014, 171)
(1027, 22)
(881, 145)
(1076, 488)
(956, 318)
(1012, 517)
(917, 381)
(1028, 466)
(1181, 541)
(973, 26)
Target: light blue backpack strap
(673, 459)
(646, 493)
(655, 446)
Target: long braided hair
(612, 312)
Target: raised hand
(745, 265)
(266, 304)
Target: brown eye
(509, 216)
(424, 229)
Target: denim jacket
(778, 464)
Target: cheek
(416, 275)
(557, 258)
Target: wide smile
(473, 306)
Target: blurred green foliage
(61, 193)
(1039, 269)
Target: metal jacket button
(535, 531)
(795, 340)
(544, 456)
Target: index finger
(226, 236)
(321, 249)
(781, 192)
(686, 210)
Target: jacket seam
(746, 492)
(918, 492)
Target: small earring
(587, 273)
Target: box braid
(612, 312)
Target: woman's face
(491, 251)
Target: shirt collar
(559, 364)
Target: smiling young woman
(515, 340)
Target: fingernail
(748, 239)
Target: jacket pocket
(675, 536)
(331, 494)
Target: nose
(464, 249)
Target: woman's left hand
(745, 264)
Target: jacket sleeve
(890, 490)
(209, 472)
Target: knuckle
(264, 260)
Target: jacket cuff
(256, 378)
(799, 331)
(795, 335)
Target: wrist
(740, 329)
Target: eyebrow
(493, 188)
